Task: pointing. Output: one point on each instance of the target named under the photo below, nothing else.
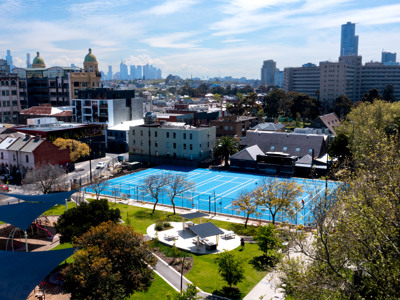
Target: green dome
(90, 57)
(38, 60)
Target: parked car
(100, 165)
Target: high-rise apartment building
(4, 67)
(268, 72)
(348, 40)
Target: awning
(194, 215)
(56, 198)
(21, 272)
(205, 230)
(23, 214)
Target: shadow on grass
(263, 263)
(147, 214)
(229, 292)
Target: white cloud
(170, 7)
(177, 40)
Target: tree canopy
(113, 262)
(78, 220)
(76, 148)
(225, 147)
(45, 179)
(230, 267)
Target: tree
(230, 268)
(268, 242)
(77, 149)
(340, 147)
(98, 186)
(45, 179)
(245, 203)
(189, 294)
(342, 106)
(272, 101)
(178, 184)
(78, 220)
(371, 96)
(388, 93)
(355, 249)
(155, 185)
(225, 147)
(278, 196)
(113, 262)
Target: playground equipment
(11, 237)
(50, 235)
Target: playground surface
(215, 190)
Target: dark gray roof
(206, 229)
(269, 126)
(305, 160)
(194, 215)
(249, 153)
(295, 144)
(329, 121)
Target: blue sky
(194, 37)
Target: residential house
(234, 125)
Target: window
(133, 132)
(14, 156)
(133, 142)
(174, 135)
(184, 136)
(27, 158)
(141, 143)
(167, 134)
(298, 149)
(167, 145)
(191, 147)
(191, 136)
(208, 144)
(76, 84)
(184, 146)
(310, 150)
(2, 157)
(226, 127)
(155, 144)
(155, 133)
(141, 132)
(174, 145)
(272, 148)
(14, 93)
(284, 148)
(15, 103)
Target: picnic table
(228, 235)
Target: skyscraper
(139, 72)
(9, 59)
(123, 69)
(28, 60)
(389, 58)
(132, 75)
(348, 40)
(109, 73)
(268, 72)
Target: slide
(48, 232)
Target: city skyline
(195, 38)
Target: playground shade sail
(56, 198)
(22, 215)
(194, 215)
(20, 272)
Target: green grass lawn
(159, 289)
(205, 274)
(59, 209)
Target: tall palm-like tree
(225, 147)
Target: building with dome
(38, 62)
(55, 85)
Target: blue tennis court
(215, 191)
